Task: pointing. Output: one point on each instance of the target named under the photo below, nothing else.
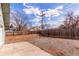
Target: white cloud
(76, 12)
(37, 19)
(31, 10)
(50, 12)
(56, 23)
(54, 12)
(36, 22)
(25, 4)
(60, 7)
(27, 11)
(13, 12)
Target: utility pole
(42, 20)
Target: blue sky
(54, 12)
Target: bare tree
(70, 23)
(20, 24)
(74, 26)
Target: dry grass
(19, 38)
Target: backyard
(54, 46)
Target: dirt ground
(54, 46)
